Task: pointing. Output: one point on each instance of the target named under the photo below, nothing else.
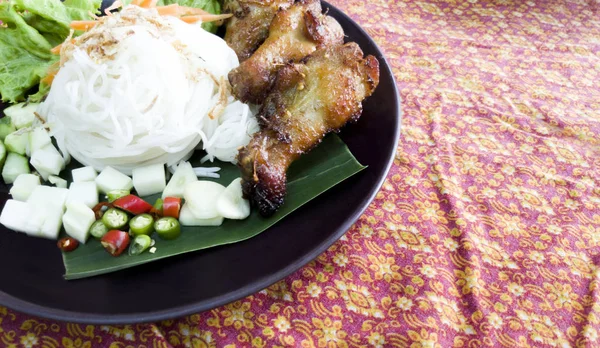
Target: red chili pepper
(115, 242)
(171, 207)
(67, 244)
(133, 204)
(100, 209)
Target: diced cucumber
(38, 138)
(149, 180)
(17, 142)
(85, 192)
(77, 221)
(48, 159)
(183, 175)
(2, 154)
(202, 198)
(14, 166)
(22, 114)
(49, 196)
(231, 203)
(186, 218)
(6, 127)
(84, 174)
(52, 223)
(23, 186)
(111, 179)
(14, 215)
(44, 174)
(57, 181)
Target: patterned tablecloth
(487, 230)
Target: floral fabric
(487, 230)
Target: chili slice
(100, 208)
(142, 224)
(140, 244)
(157, 208)
(116, 194)
(171, 207)
(67, 244)
(115, 219)
(115, 242)
(132, 204)
(98, 229)
(167, 228)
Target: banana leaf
(314, 173)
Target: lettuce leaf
(33, 27)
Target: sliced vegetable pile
(125, 220)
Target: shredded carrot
(83, 25)
(56, 49)
(137, 2)
(52, 71)
(177, 11)
(148, 3)
(205, 18)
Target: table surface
(487, 230)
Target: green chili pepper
(140, 244)
(116, 194)
(142, 224)
(167, 228)
(98, 229)
(157, 208)
(115, 219)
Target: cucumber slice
(2, 154)
(84, 174)
(186, 218)
(57, 181)
(14, 166)
(231, 203)
(149, 180)
(85, 192)
(14, 215)
(17, 142)
(111, 179)
(202, 197)
(49, 196)
(23, 186)
(77, 221)
(6, 127)
(183, 174)
(38, 138)
(48, 159)
(22, 114)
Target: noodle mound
(140, 89)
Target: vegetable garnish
(133, 204)
(171, 207)
(157, 208)
(115, 242)
(142, 224)
(100, 209)
(116, 194)
(167, 228)
(98, 229)
(140, 244)
(67, 244)
(115, 219)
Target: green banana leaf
(325, 166)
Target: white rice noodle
(150, 102)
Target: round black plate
(32, 268)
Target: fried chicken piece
(308, 100)
(294, 33)
(249, 26)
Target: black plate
(32, 268)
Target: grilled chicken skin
(249, 26)
(294, 33)
(308, 100)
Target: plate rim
(257, 285)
